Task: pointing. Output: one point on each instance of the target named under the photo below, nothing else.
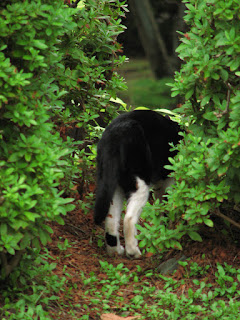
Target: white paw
(133, 253)
(112, 251)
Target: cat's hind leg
(136, 202)
(112, 223)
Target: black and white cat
(131, 156)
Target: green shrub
(90, 58)
(57, 67)
(32, 289)
(206, 168)
(31, 164)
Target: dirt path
(75, 249)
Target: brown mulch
(83, 254)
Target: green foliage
(192, 269)
(57, 68)
(90, 58)
(31, 290)
(153, 296)
(206, 168)
(31, 154)
(209, 80)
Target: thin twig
(221, 215)
(71, 225)
(228, 101)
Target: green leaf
(224, 74)
(17, 224)
(195, 236)
(25, 242)
(205, 100)
(215, 76)
(234, 64)
(39, 44)
(44, 236)
(222, 41)
(36, 243)
(59, 220)
(210, 116)
(10, 250)
(208, 222)
(3, 229)
(174, 93)
(30, 215)
(189, 94)
(28, 157)
(48, 31)
(232, 34)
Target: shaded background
(149, 42)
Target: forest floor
(78, 250)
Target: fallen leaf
(149, 254)
(112, 316)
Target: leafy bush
(31, 164)
(206, 168)
(32, 289)
(56, 67)
(90, 57)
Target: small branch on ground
(72, 226)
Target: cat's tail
(108, 172)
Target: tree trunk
(151, 38)
(180, 25)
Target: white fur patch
(112, 221)
(135, 204)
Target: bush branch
(226, 111)
(8, 266)
(221, 215)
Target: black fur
(111, 240)
(135, 144)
